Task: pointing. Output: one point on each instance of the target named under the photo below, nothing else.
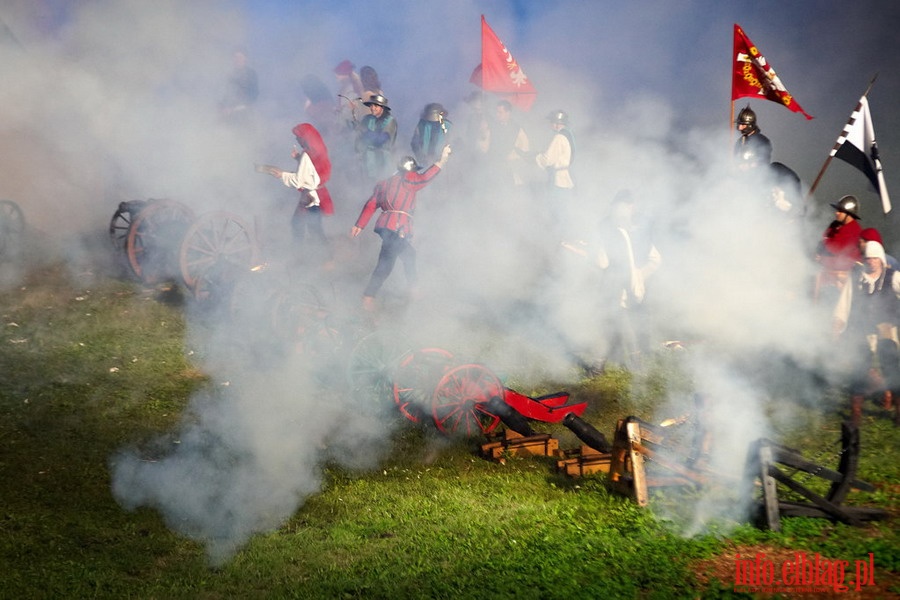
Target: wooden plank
(515, 444)
(626, 473)
(580, 466)
(770, 489)
(863, 513)
(832, 509)
(660, 459)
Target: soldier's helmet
(559, 116)
(849, 205)
(378, 100)
(408, 163)
(434, 112)
(747, 117)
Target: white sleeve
(557, 155)
(306, 177)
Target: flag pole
(731, 125)
(815, 183)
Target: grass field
(101, 376)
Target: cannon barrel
(587, 433)
(509, 415)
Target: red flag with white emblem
(499, 72)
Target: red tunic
(396, 197)
(841, 246)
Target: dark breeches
(392, 247)
(309, 220)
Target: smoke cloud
(106, 101)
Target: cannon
(216, 258)
(163, 239)
(459, 398)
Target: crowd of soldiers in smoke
(495, 155)
(495, 181)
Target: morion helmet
(378, 100)
(849, 205)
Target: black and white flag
(856, 145)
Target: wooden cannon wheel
(458, 405)
(216, 250)
(371, 364)
(416, 378)
(120, 223)
(153, 238)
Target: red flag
(500, 73)
(754, 76)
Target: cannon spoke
(153, 237)
(416, 378)
(460, 399)
(216, 249)
(371, 364)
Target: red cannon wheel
(153, 239)
(458, 405)
(216, 250)
(415, 379)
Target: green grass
(94, 366)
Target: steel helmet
(379, 100)
(747, 117)
(408, 163)
(849, 205)
(434, 112)
(559, 116)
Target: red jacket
(841, 246)
(396, 197)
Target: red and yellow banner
(753, 76)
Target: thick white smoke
(109, 100)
